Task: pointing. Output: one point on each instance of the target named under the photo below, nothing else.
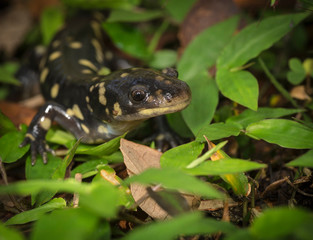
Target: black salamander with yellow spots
(89, 101)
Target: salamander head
(137, 94)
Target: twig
(78, 178)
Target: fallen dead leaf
(299, 92)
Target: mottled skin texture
(87, 94)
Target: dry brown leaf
(299, 92)
(215, 204)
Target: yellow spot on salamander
(70, 112)
(86, 71)
(44, 74)
(56, 43)
(77, 112)
(55, 90)
(159, 78)
(45, 123)
(87, 63)
(89, 107)
(124, 75)
(98, 50)
(108, 55)
(30, 136)
(87, 99)
(102, 98)
(97, 29)
(117, 109)
(102, 129)
(107, 111)
(76, 45)
(91, 88)
(85, 128)
(53, 56)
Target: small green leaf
(283, 223)
(224, 166)
(6, 125)
(249, 116)
(218, 130)
(73, 223)
(7, 72)
(60, 137)
(163, 59)
(35, 214)
(241, 87)
(106, 148)
(181, 156)
(305, 160)
(88, 168)
(9, 147)
(286, 133)
(183, 225)
(175, 179)
(128, 39)
(51, 21)
(178, 9)
(297, 73)
(203, 104)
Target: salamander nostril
(168, 97)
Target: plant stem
(277, 85)
(156, 37)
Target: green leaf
(203, 104)
(285, 133)
(203, 51)
(255, 38)
(163, 59)
(134, 15)
(100, 4)
(10, 233)
(88, 168)
(241, 87)
(305, 160)
(283, 223)
(181, 156)
(74, 223)
(178, 9)
(51, 21)
(218, 130)
(183, 225)
(7, 72)
(9, 147)
(224, 166)
(249, 116)
(6, 125)
(297, 73)
(35, 214)
(128, 39)
(106, 148)
(181, 181)
(60, 137)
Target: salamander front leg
(41, 123)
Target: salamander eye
(138, 95)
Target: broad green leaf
(10, 233)
(249, 116)
(183, 225)
(100, 4)
(203, 104)
(36, 213)
(203, 51)
(128, 39)
(255, 38)
(224, 166)
(106, 148)
(60, 137)
(163, 58)
(178, 124)
(172, 178)
(73, 223)
(9, 147)
(181, 156)
(6, 125)
(241, 87)
(7, 72)
(297, 73)
(178, 9)
(305, 160)
(218, 130)
(88, 168)
(283, 223)
(285, 133)
(51, 21)
(135, 15)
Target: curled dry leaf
(299, 92)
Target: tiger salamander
(84, 98)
